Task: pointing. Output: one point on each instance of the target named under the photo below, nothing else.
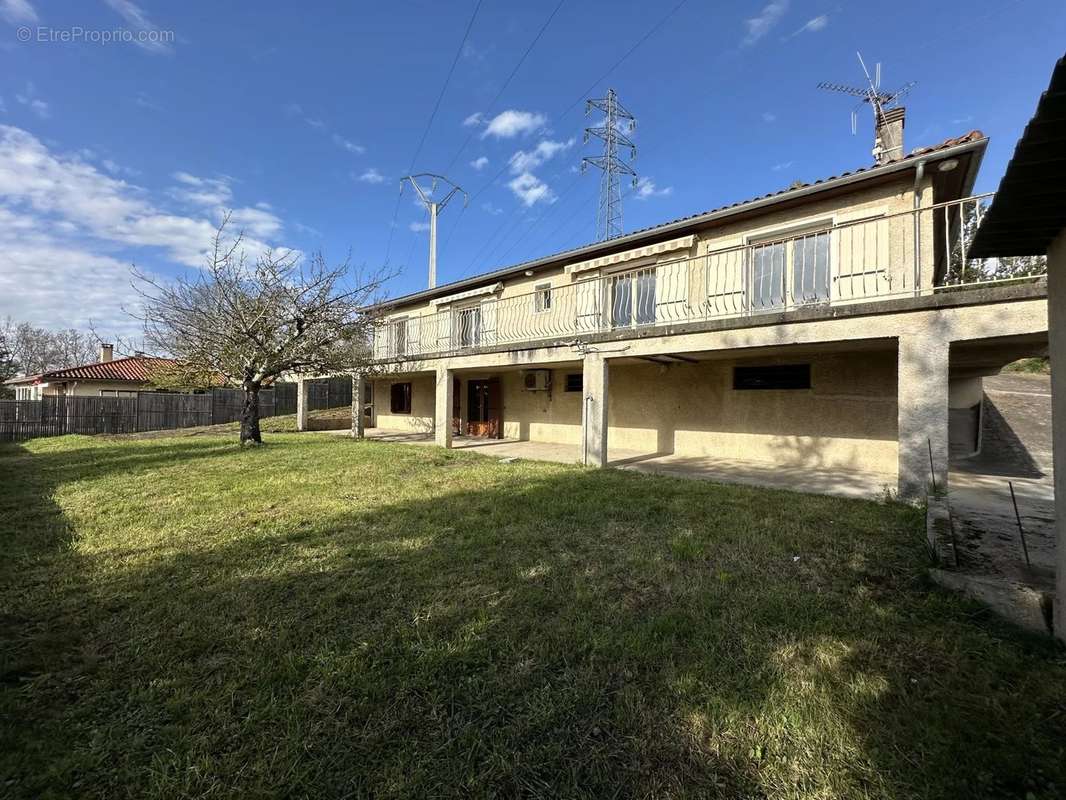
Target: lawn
(323, 617)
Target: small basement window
(575, 382)
(779, 376)
(401, 398)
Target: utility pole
(434, 207)
(609, 214)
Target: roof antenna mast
(878, 100)
(609, 215)
(434, 207)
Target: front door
(483, 408)
(457, 407)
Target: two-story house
(837, 325)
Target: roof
(1029, 209)
(133, 369)
(974, 141)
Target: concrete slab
(841, 483)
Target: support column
(358, 390)
(302, 388)
(594, 411)
(1056, 309)
(922, 397)
(442, 417)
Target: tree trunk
(250, 433)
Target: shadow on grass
(547, 631)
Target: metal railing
(907, 254)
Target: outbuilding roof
(132, 369)
(1029, 209)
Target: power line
(581, 98)
(429, 124)
(506, 83)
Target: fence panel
(148, 411)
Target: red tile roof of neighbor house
(132, 369)
(975, 138)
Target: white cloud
(761, 24)
(474, 119)
(35, 104)
(17, 11)
(139, 22)
(531, 190)
(527, 161)
(782, 165)
(491, 209)
(419, 227)
(646, 189)
(372, 176)
(480, 163)
(69, 195)
(348, 145)
(811, 26)
(769, 116)
(511, 123)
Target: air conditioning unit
(538, 380)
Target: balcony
(821, 265)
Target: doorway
(483, 408)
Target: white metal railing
(907, 254)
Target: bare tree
(42, 350)
(248, 322)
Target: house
(1028, 217)
(109, 377)
(835, 326)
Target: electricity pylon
(434, 207)
(609, 213)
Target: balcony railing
(907, 254)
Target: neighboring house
(1028, 218)
(828, 326)
(110, 377)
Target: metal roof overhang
(1029, 209)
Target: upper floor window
(468, 326)
(542, 297)
(397, 336)
(633, 298)
(789, 270)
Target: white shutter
(671, 291)
(488, 322)
(588, 305)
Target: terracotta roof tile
(134, 369)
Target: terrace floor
(836, 482)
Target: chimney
(888, 136)
(107, 352)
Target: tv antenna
(872, 94)
(434, 207)
(609, 215)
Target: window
(401, 398)
(116, 393)
(810, 268)
(782, 376)
(397, 337)
(633, 298)
(542, 298)
(575, 382)
(468, 326)
(791, 269)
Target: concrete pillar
(442, 417)
(922, 396)
(1056, 307)
(594, 411)
(301, 404)
(358, 390)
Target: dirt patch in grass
(325, 617)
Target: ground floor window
(778, 376)
(401, 398)
(574, 382)
(116, 393)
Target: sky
(127, 129)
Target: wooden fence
(148, 411)
(321, 393)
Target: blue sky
(302, 118)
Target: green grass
(323, 617)
(1033, 366)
